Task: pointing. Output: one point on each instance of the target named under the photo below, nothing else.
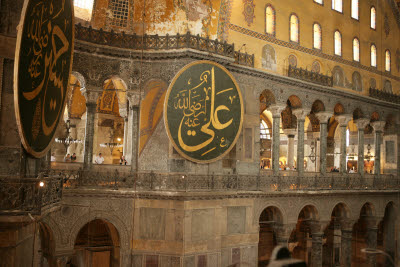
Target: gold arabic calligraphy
(49, 44)
(200, 112)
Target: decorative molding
(224, 19)
(314, 52)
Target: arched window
(270, 20)
(319, 1)
(338, 43)
(264, 130)
(317, 36)
(387, 60)
(294, 28)
(354, 9)
(356, 50)
(337, 5)
(83, 9)
(373, 55)
(373, 18)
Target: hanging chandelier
(69, 140)
(312, 155)
(369, 155)
(112, 145)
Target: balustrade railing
(167, 42)
(151, 181)
(22, 196)
(310, 76)
(379, 94)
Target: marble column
(361, 124)
(301, 116)
(346, 250)
(126, 125)
(283, 233)
(134, 102)
(91, 104)
(276, 118)
(316, 252)
(343, 120)
(323, 125)
(290, 153)
(371, 242)
(378, 128)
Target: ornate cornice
(90, 49)
(189, 196)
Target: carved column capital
(276, 109)
(323, 116)
(300, 113)
(291, 132)
(134, 99)
(343, 119)
(378, 125)
(91, 95)
(361, 123)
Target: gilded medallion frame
(170, 137)
(17, 71)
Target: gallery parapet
(29, 195)
(379, 94)
(310, 76)
(151, 181)
(156, 42)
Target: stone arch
(59, 237)
(368, 209)
(375, 116)
(294, 102)
(270, 222)
(339, 109)
(268, 58)
(80, 78)
(372, 83)
(341, 210)
(120, 88)
(317, 106)
(267, 98)
(357, 114)
(47, 243)
(264, 205)
(309, 211)
(88, 217)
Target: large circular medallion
(43, 61)
(203, 111)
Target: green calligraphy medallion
(203, 111)
(43, 61)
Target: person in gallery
(122, 161)
(53, 157)
(99, 159)
(67, 158)
(73, 157)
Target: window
(317, 36)
(319, 1)
(270, 20)
(294, 28)
(338, 43)
(373, 18)
(356, 50)
(337, 5)
(354, 9)
(387, 60)
(83, 9)
(373, 55)
(264, 130)
(119, 13)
